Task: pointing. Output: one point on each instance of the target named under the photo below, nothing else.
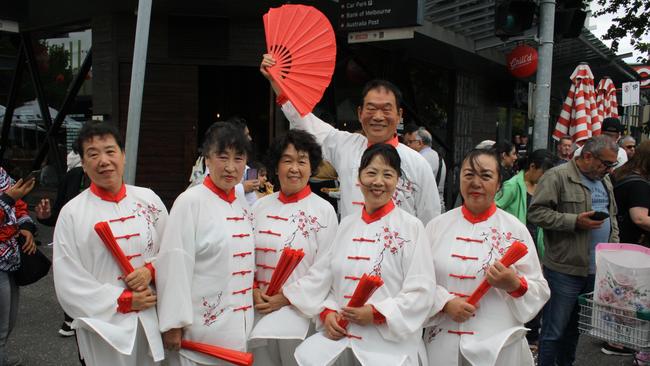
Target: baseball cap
(611, 124)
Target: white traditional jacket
(389, 243)
(205, 270)
(463, 247)
(87, 278)
(300, 221)
(416, 191)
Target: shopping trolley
(613, 324)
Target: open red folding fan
(303, 44)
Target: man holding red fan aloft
(114, 315)
(379, 115)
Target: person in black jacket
(74, 182)
(632, 192)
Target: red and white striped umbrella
(579, 118)
(606, 99)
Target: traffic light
(569, 22)
(513, 17)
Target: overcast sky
(599, 26)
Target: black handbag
(32, 267)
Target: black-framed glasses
(607, 164)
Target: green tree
(631, 19)
(53, 65)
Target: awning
(470, 24)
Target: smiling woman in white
(467, 243)
(114, 318)
(292, 218)
(382, 240)
(206, 261)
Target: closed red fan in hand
(303, 44)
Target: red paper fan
(516, 251)
(235, 357)
(303, 44)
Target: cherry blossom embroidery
(151, 214)
(404, 190)
(499, 243)
(248, 215)
(392, 242)
(210, 313)
(431, 333)
(306, 225)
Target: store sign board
(381, 35)
(631, 93)
(363, 15)
(522, 61)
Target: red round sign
(522, 61)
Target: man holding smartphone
(573, 203)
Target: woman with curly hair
(292, 218)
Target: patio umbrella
(606, 99)
(579, 118)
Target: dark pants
(533, 334)
(8, 311)
(559, 337)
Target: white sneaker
(66, 330)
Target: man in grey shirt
(420, 140)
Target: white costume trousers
(96, 352)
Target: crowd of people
(202, 271)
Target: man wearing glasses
(573, 203)
(420, 140)
(613, 129)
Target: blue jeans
(8, 311)
(559, 337)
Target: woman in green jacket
(516, 193)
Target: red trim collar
(228, 197)
(378, 214)
(475, 219)
(293, 198)
(106, 195)
(393, 141)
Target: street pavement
(36, 340)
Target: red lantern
(522, 61)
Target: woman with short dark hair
(206, 262)
(467, 244)
(383, 240)
(292, 218)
